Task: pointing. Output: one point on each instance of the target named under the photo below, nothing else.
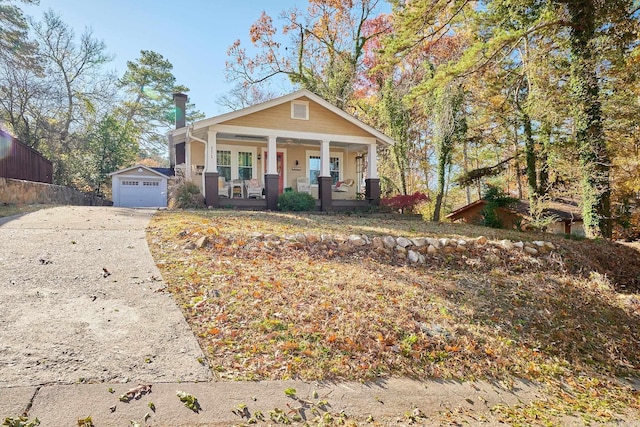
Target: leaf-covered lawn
(264, 308)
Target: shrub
(405, 203)
(294, 201)
(185, 195)
(495, 199)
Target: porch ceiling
(285, 141)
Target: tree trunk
(530, 153)
(443, 155)
(465, 165)
(592, 150)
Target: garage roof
(137, 167)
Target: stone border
(415, 250)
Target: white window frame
(306, 109)
(338, 154)
(235, 149)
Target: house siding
(320, 120)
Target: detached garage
(139, 187)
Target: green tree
(110, 146)
(149, 85)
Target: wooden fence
(19, 161)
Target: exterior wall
(470, 216)
(20, 192)
(134, 174)
(577, 228)
(320, 120)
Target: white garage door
(140, 193)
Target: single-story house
(140, 186)
(567, 217)
(297, 142)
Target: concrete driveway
(82, 302)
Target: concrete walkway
(83, 322)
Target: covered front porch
(339, 171)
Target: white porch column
(325, 170)
(272, 165)
(372, 162)
(187, 159)
(211, 164)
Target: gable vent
(300, 110)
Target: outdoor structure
(19, 161)
(140, 186)
(566, 215)
(280, 143)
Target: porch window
(245, 165)
(224, 164)
(314, 169)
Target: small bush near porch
(295, 201)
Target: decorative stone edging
(415, 250)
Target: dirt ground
(81, 302)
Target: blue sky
(193, 34)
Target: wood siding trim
(321, 120)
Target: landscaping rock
(549, 246)
(506, 245)
(448, 249)
(300, 237)
(432, 250)
(403, 241)
(389, 242)
(434, 242)
(312, 238)
(518, 245)
(461, 248)
(462, 242)
(413, 257)
(444, 242)
(531, 250)
(256, 235)
(189, 246)
(201, 242)
(538, 243)
(419, 242)
(356, 240)
(343, 248)
(327, 238)
(377, 243)
(482, 240)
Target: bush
(405, 203)
(185, 195)
(495, 199)
(294, 201)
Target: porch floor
(261, 204)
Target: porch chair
(254, 189)
(343, 186)
(302, 185)
(224, 189)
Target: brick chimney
(180, 101)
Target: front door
(280, 169)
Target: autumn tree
(323, 54)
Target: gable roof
(562, 210)
(281, 100)
(152, 170)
